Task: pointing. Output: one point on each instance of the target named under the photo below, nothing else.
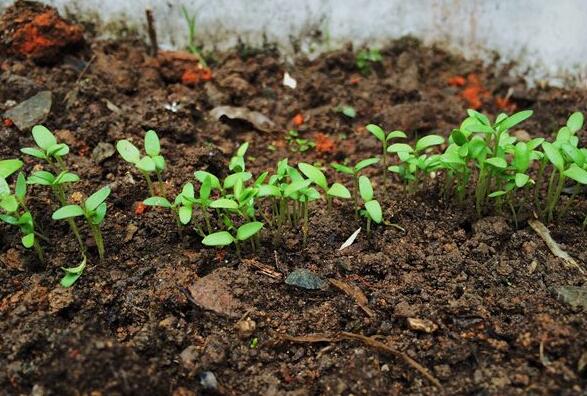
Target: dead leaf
(258, 120)
(356, 294)
(350, 240)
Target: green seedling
(365, 58)
(297, 144)
(94, 210)
(72, 274)
(152, 162)
(355, 172)
(48, 148)
(385, 139)
(346, 110)
(183, 205)
(225, 238)
(336, 190)
(372, 209)
(16, 212)
(579, 175)
(237, 162)
(192, 47)
(8, 167)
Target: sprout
(365, 58)
(354, 172)
(225, 238)
(384, 138)
(337, 190)
(152, 162)
(93, 209)
(48, 148)
(372, 208)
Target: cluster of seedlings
(481, 163)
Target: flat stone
(102, 152)
(575, 296)
(32, 111)
(213, 292)
(422, 325)
(305, 279)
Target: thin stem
(514, 214)
(538, 184)
(61, 197)
(385, 168)
(238, 249)
(356, 193)
(161, 185)
(149, 183)
(98, 238)
(39, 251)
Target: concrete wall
(546, 38)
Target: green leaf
(478, 128)
(365, 188)
(314, 174)
(9, 219)
(458, 137)
(9, 166)
(28, 240)
(575, 122)
(42, 178)
(374, 211)
(20, 187)
(535, 143)
(224, 203)
(152, 145)
(294, 187)
(429, 141)
(477, 148)
(4, 187)
(188, 191)
(43, 137)
(97, 198)
(9, 203)
(247, 230)
(221, 238)
(128, 151)
(515, 119)
(185, 214)
(72, 274)
(99, 214)
(242, 150)
(497, 194)
(521, 160)
(159, 162)
(497, 162)
(34, 152)
(67, 212)
(376, 131)
(574, 154)
(339, 191)
(268, 190)
(521, 179)
(396, 135)
(158, 201)
(342, 168)
(58, 150)
(146, 164)
(348, 111)
(482, 118)
(576, 173)
(202, 175)
(400, 148)
(231, 180)
(66, 177)
(365, 163)
(554, 156)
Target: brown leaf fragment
(355, 293)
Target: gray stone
(305, 279)
(32, 111)
(102, 152)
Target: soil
(471, 300)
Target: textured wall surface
(545, 37)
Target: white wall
(549, 37)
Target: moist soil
(134, 324)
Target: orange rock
(505, 104)
(8, 122)
(298, 119)
(324, 144)
(456, 81)
(194, 76)
(140, 208)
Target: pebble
(32, 111)
(422, 325)
(102, 152)
(305, 279)
(208, 380)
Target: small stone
(403, 309)
(189, 356)
(208, 380)
(59, 299)
(305, 279)
(385, 368)
(213, 292)
(422, 325)
(131, 230)
(31, 112)
(102, 152)
(246, 328)
(520, 380)
(522, 135)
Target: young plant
(365, 58)
(192, 47)
(336, 190)
(355, 172)
(578, 174)
(297, 144)
(182, 206)
(372, 209)
(346, 110)
(225, 238)
(48, 148)
(94, 210)
(237, 162)
(16, 212)
(384, 138)
(152, 162)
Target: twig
(152, 32)
(543, 232)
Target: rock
(213, 292)
(403, 309)
(422, 325)
(208, 380)
(246, 328)
(522, 135)
(31, 112)
(131, 230)
(305, 279)
(189, 356)
(102, 152)
(575, 296)
(59, 299)
(36, 31)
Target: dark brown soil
(126, 327)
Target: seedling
(151, 163)
(225, 238)
(48, 148)
(579, 175)
(94, 210)
(192, 47)
(237, 162)
(372, 209)
(182, 207)
(384, 138)
(337, 190)
(354, 172)
(347, 110)
(365, 58)
(298, 144)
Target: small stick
(152, 32)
